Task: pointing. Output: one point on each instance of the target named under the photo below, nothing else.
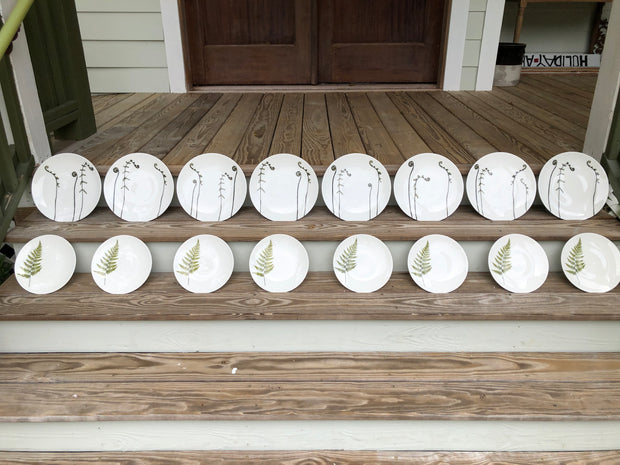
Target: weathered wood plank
(562, 124)
(563, 107)
(105, 116)
(376, 139)
(177, 401)
(557, 87)
(586, 82)
(229, 136)
(287, 135)
(501, 139)
(436, 137)
(404, 136)
(168, 137)
(303, 367)
(542, 147)
(196, 140)
(247, 225)
(316, 144)
(255, 144)
(567, 142)
(141, 135)
(344, 133)
(100, 102)
(161, 298)
(296, 457)
(471, 141)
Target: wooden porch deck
(542, 116)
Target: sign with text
(561, 60)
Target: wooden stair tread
(103, 367)
(448, 395)
(315, 457)
(176, 225)
(319, 297)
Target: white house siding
(473, 42)
(123, 45)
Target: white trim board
(455, 48)
(171, 21)
(311, 435)
(489, 44)
(309, 336)
(606, 92)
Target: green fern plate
(45, 264)
(591, 262)
(518, 263)
(121, 264)
(203, 263)
(279, 263)
(362, 263)
(437, 263)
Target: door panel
(379, 41)
(249, 42)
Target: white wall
(551, 27)
(123, 45)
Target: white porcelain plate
(428, 187)
(501, 186)
(279, 263)
(138, 187)
(66, 187)
(437, 263)
(518, 263)
(283, 187)
(591, 262)
(211, 187)
(203, 263)
(45, 264)
(121, 264)
(356, 187)
(573, 186)
(362, 263)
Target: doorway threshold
(283, 88)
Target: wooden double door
(313, 41)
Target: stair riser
(320, 253)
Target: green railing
(16, 161)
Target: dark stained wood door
(249, 41)
(379, 41)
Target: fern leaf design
(191, 261)
(422, 263)
(108, 262)
(502, 262)
(264, 264)
(32, 265)
(347, 261)
(575, 262)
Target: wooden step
(319, 225)
(92, 392)
(319, 297)
(300, 457)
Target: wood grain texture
(196, 140)
(316, 146)
(365, 400)
(161, 298)
(175, 225)
(255, 144)
(303, 366)
(562, 90)
(404, 136)
(104, 117)
(376, 139)
(469, 139)
(297, 457)
(344, 132)
(287, 134)
(163, 142)
(434, 135)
